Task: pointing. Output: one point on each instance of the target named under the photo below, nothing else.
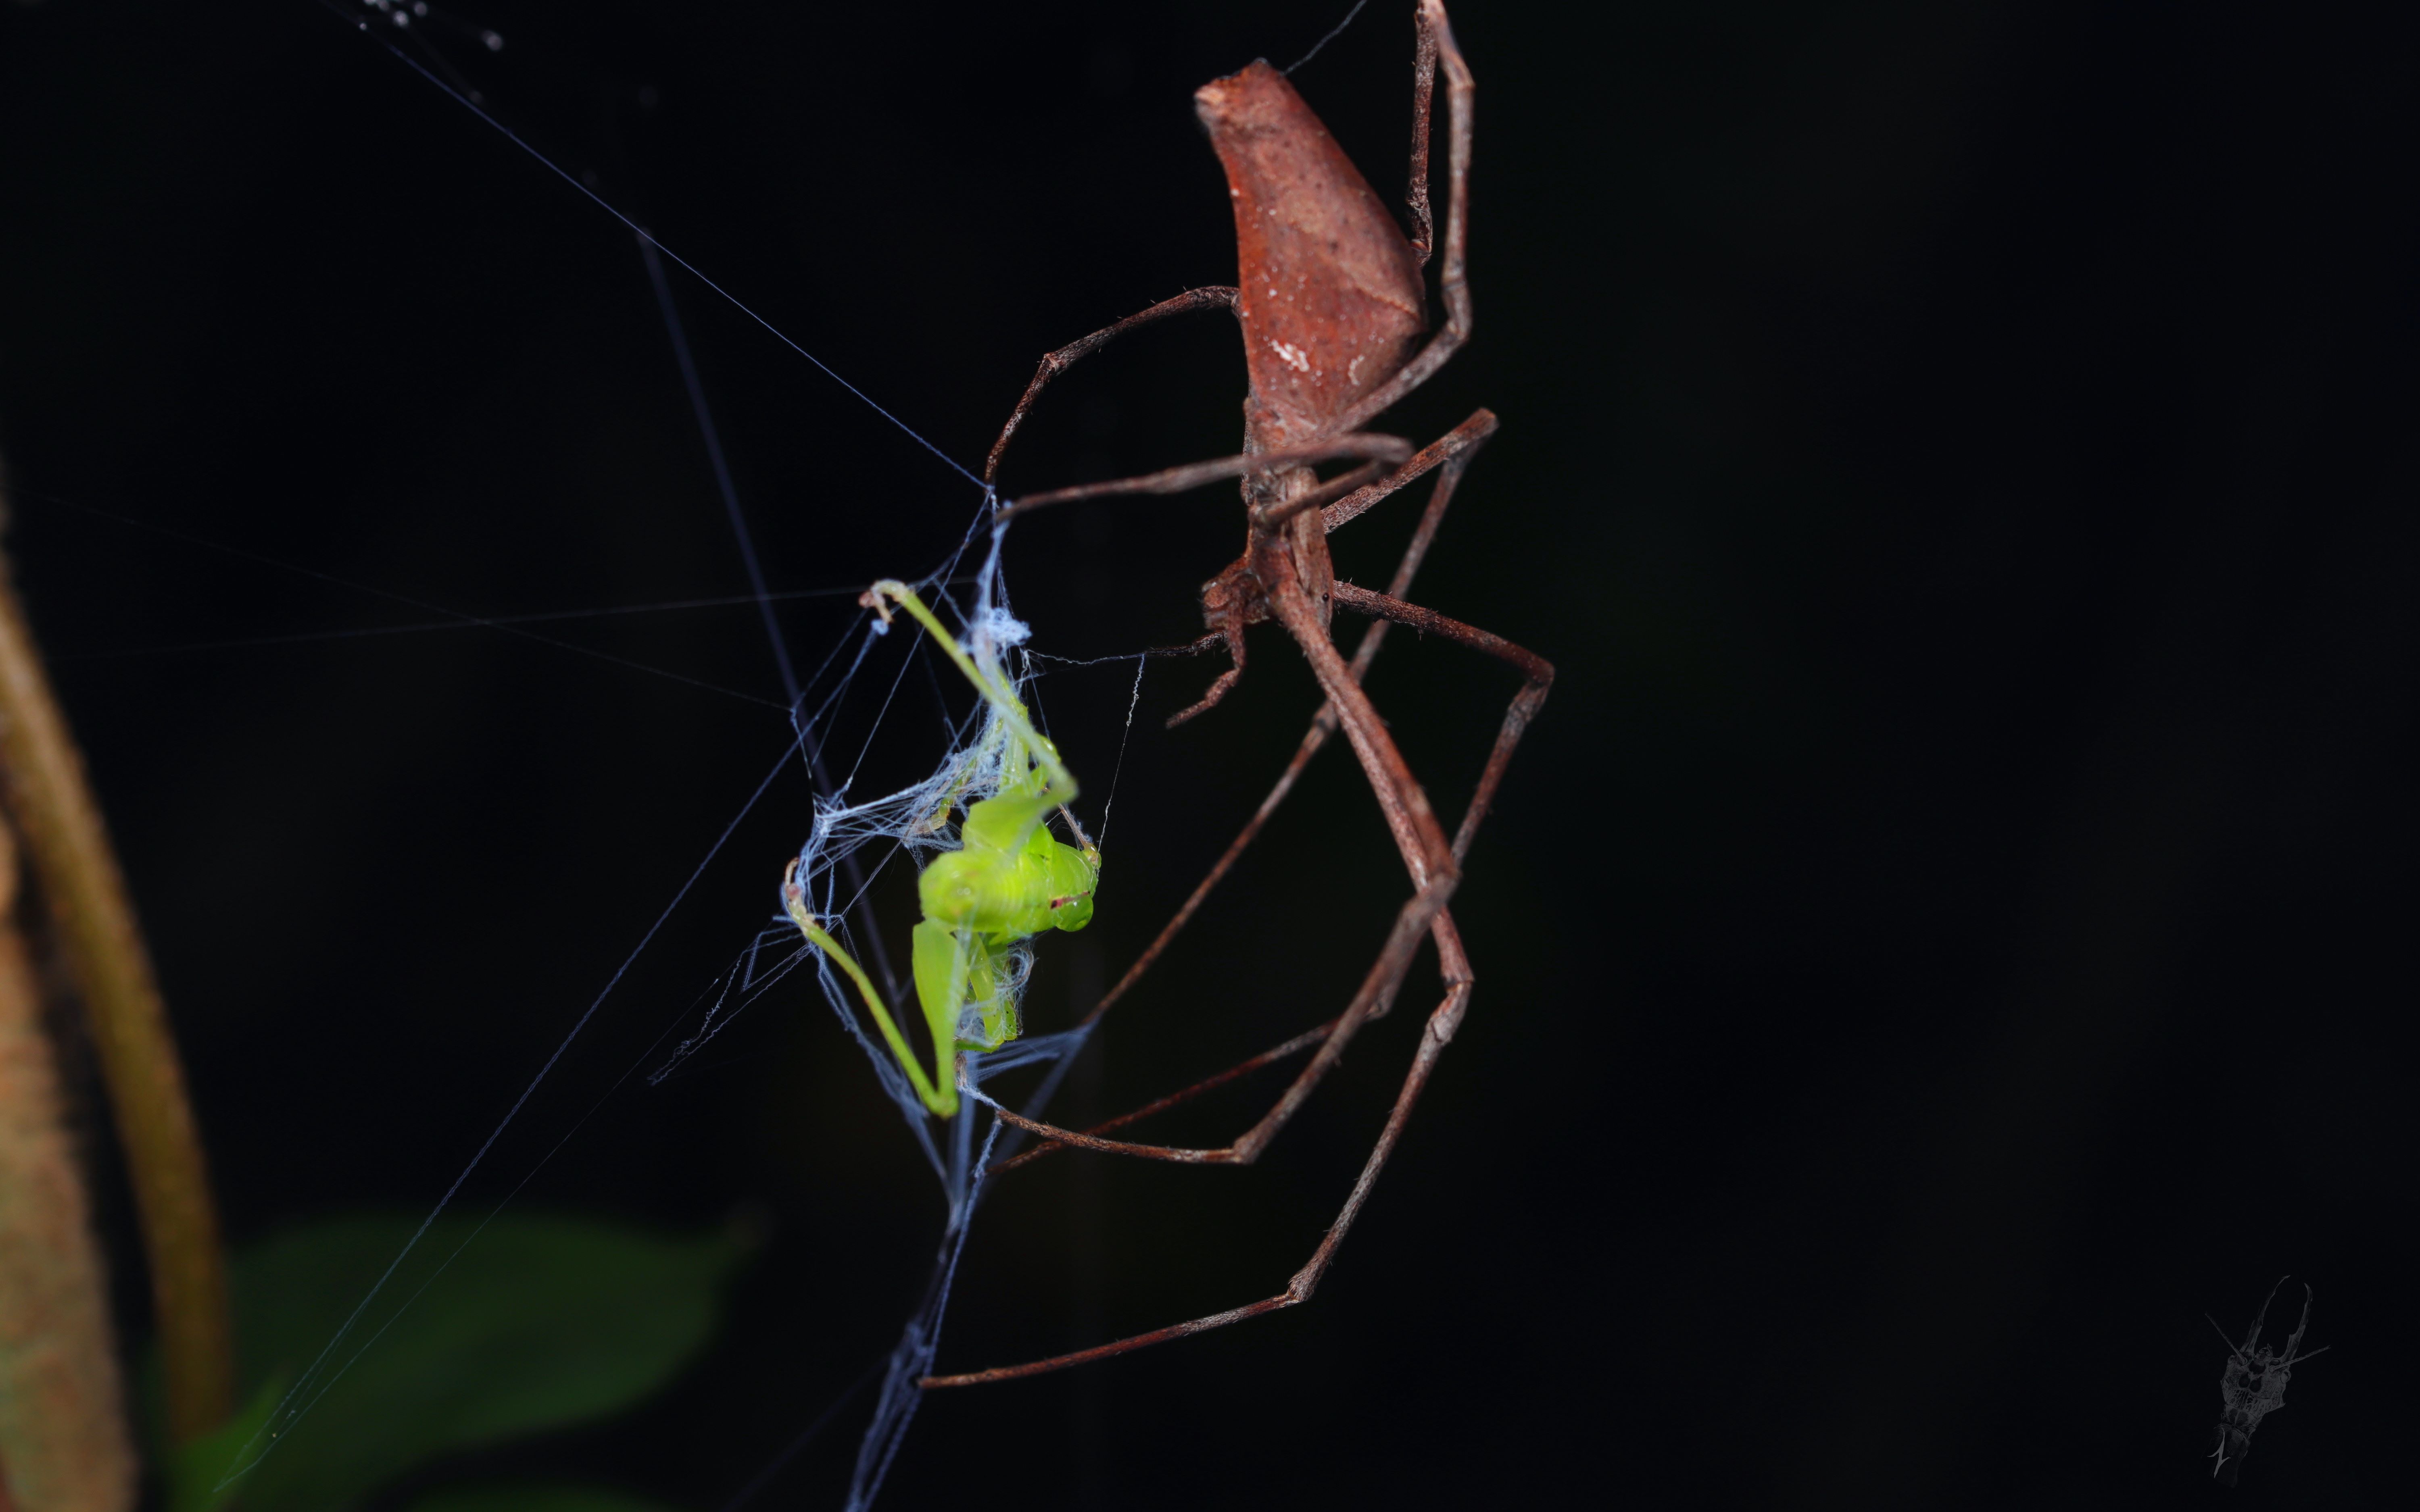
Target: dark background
(1945, 935)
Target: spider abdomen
(1329, 290)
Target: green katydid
(1009, 880)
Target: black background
(1946, 935)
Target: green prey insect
(1009, 880)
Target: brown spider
(1333, 306)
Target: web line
(749, 559)
(493, 622)
(507, 626)
(721, 464)
(607, 206)
(1119, 770)
(283, 1418)
(1332, 36)
(901, 1394)
(823, 1420)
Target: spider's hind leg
(1450, 456)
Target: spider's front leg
(1274, 152)
(1450, 457)
(1406, 805)
(1433, 867)
(1075, 351)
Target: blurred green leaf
(532, 1499)
(537, 1324)
(197, 1470)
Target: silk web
(853, 838)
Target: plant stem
(76, 875)
(64, 1446)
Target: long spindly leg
(1432, 869)
(1437, 48)
(1356, 445)
(1406, 808)
(1339, 499)
(1434, 1039)
(1295, 1046)
(1075, 351)
(1450, 456)
(1395, 960)
(1378, 451)
(1537, 674)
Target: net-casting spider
(1333, 306)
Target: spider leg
(1416, 196)
(1233, 636)
(1229, 622)
(1434, 875)
(1423, 912)
(1208, 1084)
(1401, 942)
(1538, 680)
(1228, 600)
(1433, 1041)
(1433, 864)
(1451, 455)
(1452, 450)
(1436, 46)
(1075, 351)
(1398, 794)
(1194, 474)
